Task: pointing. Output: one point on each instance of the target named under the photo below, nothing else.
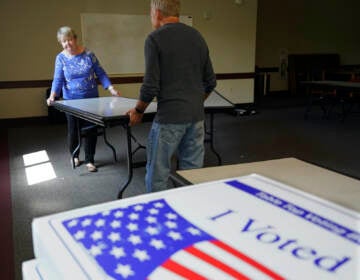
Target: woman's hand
(51, 99)
(113, 91)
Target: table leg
(211, 138)
(79, 143)
(108, 144)
(129, 161)
(139, 145)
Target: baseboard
(20, 122)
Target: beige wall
(29, 46)
(306, 26)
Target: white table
(30, 270)
(302, 175)
(111, 111)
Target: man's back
(179, 73)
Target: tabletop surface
(310, 178)
(110, 107)
(104, 107)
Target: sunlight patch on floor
(38, 168)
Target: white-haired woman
(76, 70)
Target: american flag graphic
(152, 241)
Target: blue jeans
(163, 142)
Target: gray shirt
(178, 72)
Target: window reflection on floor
(38, 168)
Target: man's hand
(135, 116)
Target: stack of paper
(249, 227)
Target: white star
(170, 224)
(72, 223)
(159, 205)
(134, 239)
(194, 231)
(174, 235)
(79, 235)
(115, 224)
(171, 216)
(86, 222)
(124, 270)
(95, 250)
(96, 235)
(132, 227)
(100, 223)
(119, 214)
(141, 255)
(153, 211)
(114, 236)
(117, 252)
(138, 207)
(151, 219)
(158, 244)
(106, 213)
(152, 230)
(133, 216)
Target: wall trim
(114, 80)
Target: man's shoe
(91, 167)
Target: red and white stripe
(212, 260)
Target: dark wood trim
(127, 80)
(114, 80)
(21, 122)
(25, 84)
(267, 69)
(235, 76)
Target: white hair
(66, 32)
(167, 7)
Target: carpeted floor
(271, 133)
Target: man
(179, 73)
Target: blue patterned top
(76, 75)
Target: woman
(76, 69)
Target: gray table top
(104, 107)
(110, 108)
(336, 84)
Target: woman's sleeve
(59, 78)
(100, 72)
